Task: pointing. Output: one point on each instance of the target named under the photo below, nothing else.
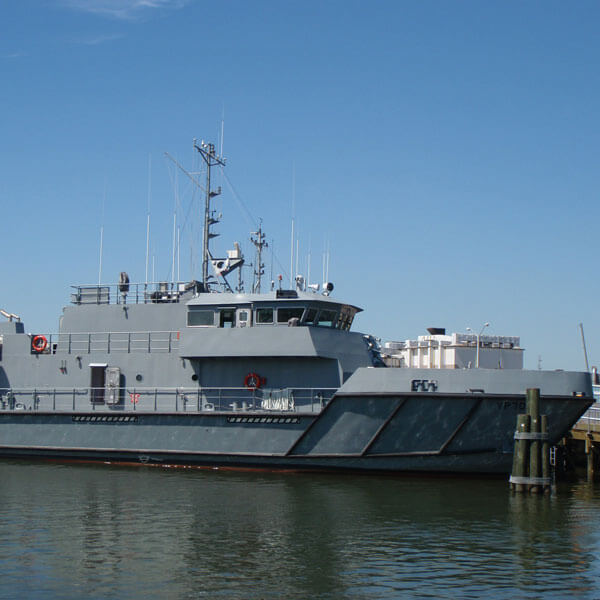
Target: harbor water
(104, 531)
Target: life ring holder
(253, 381)
(39, 343)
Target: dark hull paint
(380, 432)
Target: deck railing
(151, 400)
(134, 293)
(111, 341)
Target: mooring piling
(531, 455)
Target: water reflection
(104, 532)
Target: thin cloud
(127, 10)
(98, 39)
(14, 55)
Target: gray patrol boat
(198, 374)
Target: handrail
(155, 292)
(110, 342)
(590, 417)
(165, 399)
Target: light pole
(478, 338)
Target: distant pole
(478, 344)
(587, 366)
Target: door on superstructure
(227, 317)
(244, 317)
(97, 383)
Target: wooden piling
(521, 453)
(533, 409)
(589, 453)
(532, 401)
(531, 457)
(545, 453)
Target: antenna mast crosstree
(207, 151)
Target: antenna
(240, 285)
(292, 254)
(102, 235)
(272, 253)
(259, 266)
(587, 366)
(308, 261)
(101, 242)
(293, 216)
(148, 214)
(297, 254)
(174, 246)
(328, 254)
(199, 186)
(190, 175)
(174, 228)
(222, 130)
(207, 151)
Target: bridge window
(327, 318)
(199, 317)
(310, 316)
(285, 314)
(264, 315)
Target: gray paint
(168, 410)
(491, 381)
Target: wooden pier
(582, 446)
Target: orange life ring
(39, 343)
(253, 381)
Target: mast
(259, 267)
(207, 151)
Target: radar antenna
(207, 151)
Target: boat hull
(379, 431)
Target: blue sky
(446, 151)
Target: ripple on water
(69, 531)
